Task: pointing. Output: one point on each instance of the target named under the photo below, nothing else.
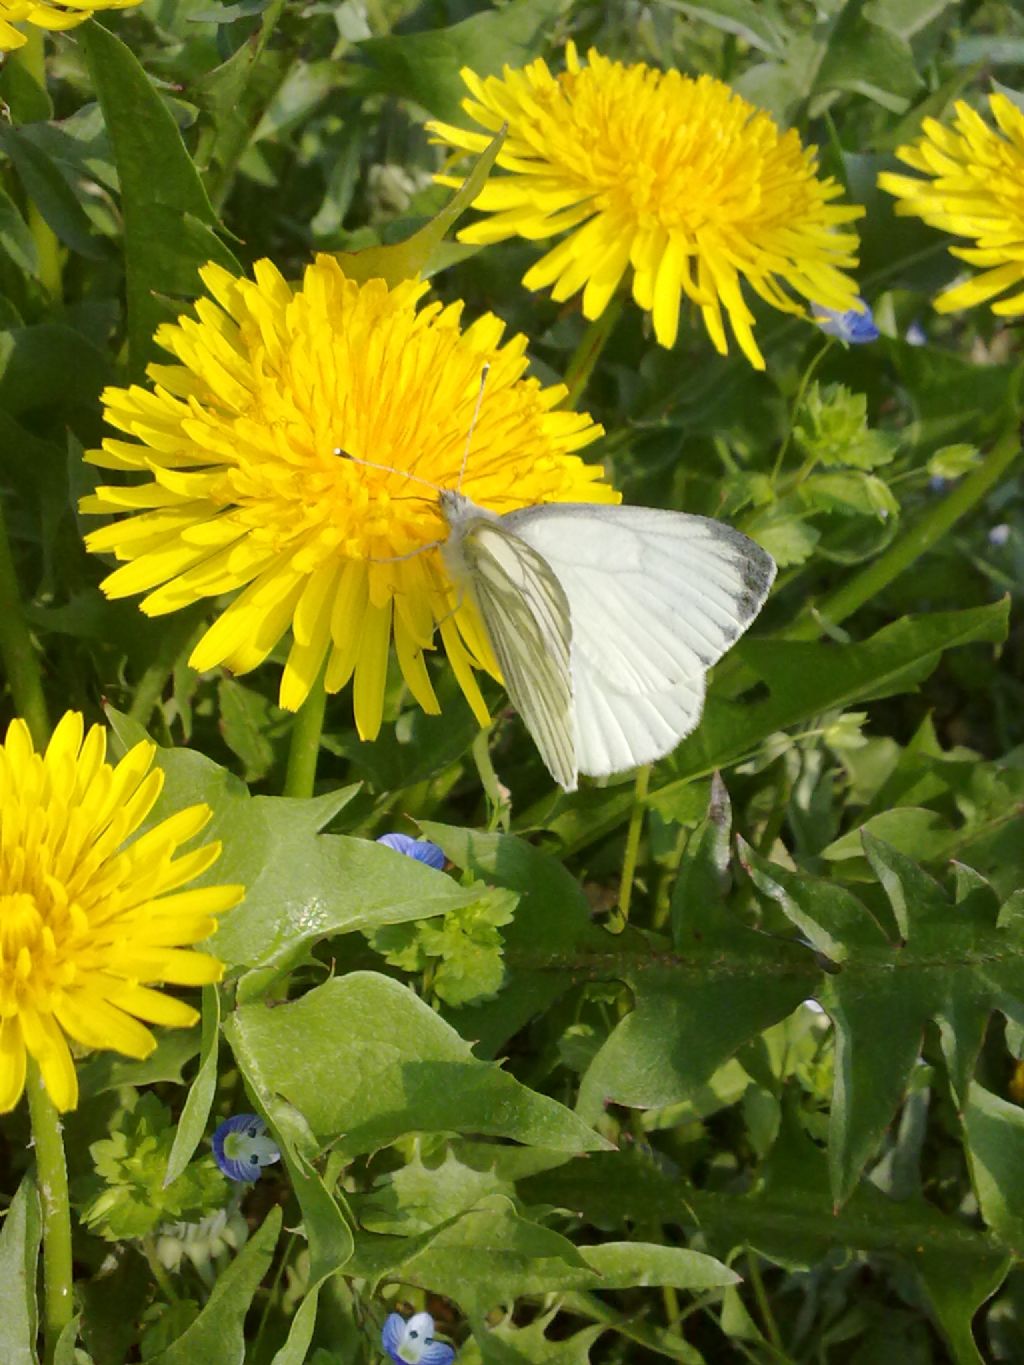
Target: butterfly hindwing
(525, 611)
(655, 598)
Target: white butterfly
(604, 620)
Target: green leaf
(488, 1256)
(27, 99)
(218, 1332)
(493, 1255)
(405, 260)
(50, 366)
(236, 95)
(995, 1147)
(951, 462)
(103, 1071)
(863, 57)
(245, 717)
(950, 962)
(16, 241)
(47, 187)
(911, 829)
(552, 919)
(168, 219)
(465, 947)
(365, 1062)
(757, 24)
(507, 1344)
(415, 1197)
(694, 1007)
(789, 1218)
(424, 67)
(68, 1351)
(622, 1265)
(129, 1195)
(195, 1112)
(301, 886)
(20, 1235)
(832, 429)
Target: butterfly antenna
(472, 424)
(385, 468)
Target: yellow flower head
(255, 446)
(680, 179)
(975, 189)
(86, 921)
(46, 14)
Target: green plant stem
(52, 1175)
(497, 798)
(158, 1270)
(632, 850)
(20, 661)
(805, 380)
(928, 530)
(173, 644)
(275, 1285)
(763, 1306)
(587, 353)
(304, 748)
(32, 59)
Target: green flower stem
(31, 58)
(20, 661)
(305, 742)
(629, 857)
(158, 1270)
(929, 529)
(798, 402)
(52, 1176)
(588, 352)
(763, 1306)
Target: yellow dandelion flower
(45, 14)
(680, 180)
(87, 923)
(974, 189)
(254, 445)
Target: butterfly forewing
(525, 610)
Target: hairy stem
(304, 748)
(52, 1177)
(588, 352)
(629, 857)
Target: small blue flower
(854, 326)
(240, 1148)
(420, 849)
(412, 1342)
(999, 535)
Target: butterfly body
(604, 620)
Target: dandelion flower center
(296, 453)
(679, 180)
(86, 918)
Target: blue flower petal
(412, 1342)
(241, 1148)
(420, 849)
(391, 1336)
(437, 1353)
(855, 326)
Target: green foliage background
(570, 1138)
